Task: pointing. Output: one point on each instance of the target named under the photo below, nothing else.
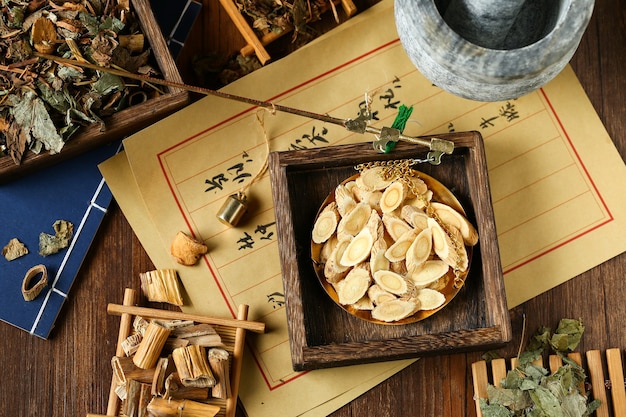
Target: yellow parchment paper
(556, 180)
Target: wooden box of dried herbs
(398, 280)
(52, 107)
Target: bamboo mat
(610, 391)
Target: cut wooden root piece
(378, 295)
(391, 282)
(428, 273)
(430, 299)
(397, 251)
(420, 249)
(326, 223)
(354, 286)
(354, 222)
(395, 226)
(455, 256)
(395, 310)
(450, 216)
(371, 179)
(393, 197)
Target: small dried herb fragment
(51, 244)
(14, 249)
(529, 389)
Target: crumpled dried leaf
(49, 244)
(529, 390)
(30, 112)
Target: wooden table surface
(70, 374)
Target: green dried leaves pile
(529, 389)
(280, 16)
(43, 103)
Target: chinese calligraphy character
(262, 229)
(236, 172)
(389, 96)
(247, 242)
(239, 175)
(509, 112)
(277, 299)
(485, 123)
(216, 182)
(313, 139)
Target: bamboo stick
(594, 363)
(125, 326)
(117, 309)
(237, 361)
(245, 30)
(616, 375)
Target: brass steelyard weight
(233, 209)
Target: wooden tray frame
(122, 123)
(322, 334)
(232, 332)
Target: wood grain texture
(70, 373)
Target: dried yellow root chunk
(393, 197)
(14, 249)
(187, 250)
(429, 272)
(420, 249)
(354, 286)
(395, 310)
(326, 223)
(391, 282)
(430, 299)
(450, 216)
(161, 285)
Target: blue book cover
(74, 191)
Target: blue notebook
(72, 191)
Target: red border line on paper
(593, 185)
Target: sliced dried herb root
(326, 223)
(395, 310)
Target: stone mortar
(510, 54)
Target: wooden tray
(615, 401)
(122, 123)
(232, 332)
(321, 333)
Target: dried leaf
(49, 244)
(30, 112)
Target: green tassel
(399, 123)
